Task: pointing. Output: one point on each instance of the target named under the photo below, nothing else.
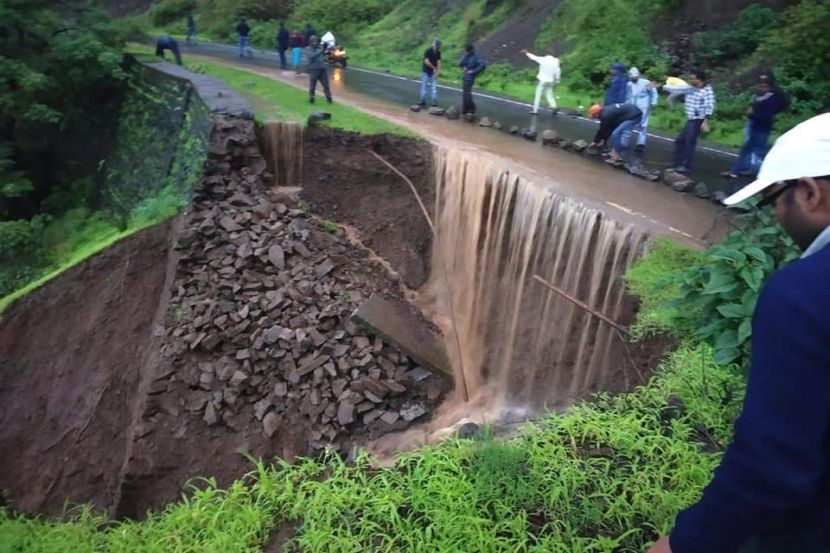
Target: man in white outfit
(642, 94)
(548, 77)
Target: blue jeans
(752, 152)
(282, 48)
(685, 144)
(621, 136)
(244, 44)
(428, 80)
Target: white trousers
(548, 88)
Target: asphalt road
(709, 161)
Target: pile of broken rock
(259, 323)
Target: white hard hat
(803, 151)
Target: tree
(54, 60)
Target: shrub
(734, 40)
(21, 252)
(713, 298)
(169, 11)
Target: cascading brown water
(282, 147)
(521, 344)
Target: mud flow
(302, 302)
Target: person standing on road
(295, 42)
(166, 42)
(614, 122)
(191, 30)
(769, 101)
(317, 70)
(617, 87)
(700, 105)
(548, 77)
(471, 66)
(243, 30)
(308, 33)
(771, 492)
(430, 69)
(642, 93)
(282, 44)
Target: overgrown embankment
(157, 147)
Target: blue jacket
(618, 88)
(474, 63)
(775, 476)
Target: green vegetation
(283, 102)
(711, 295)
(52, 74)
(90, 151)
(608, 476)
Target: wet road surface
(626, 198)
(710, 159)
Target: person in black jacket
(317, 70)
(769, 101)
(166, 42)
(282, 44)
(243, 30)
(614, 121)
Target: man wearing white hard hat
(771, 492)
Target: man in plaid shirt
(700, 105)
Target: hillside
(732, 40)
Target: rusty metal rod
(464, 391)
(580, 304)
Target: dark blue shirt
(775, 476)
(617, 90)
(764, 109)
(282, 38)
(472, 62)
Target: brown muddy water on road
(653, 206)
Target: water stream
(282, 147)
(522, 345)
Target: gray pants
(321, 75)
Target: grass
(275, 100)
(608, 476)
(653, 279)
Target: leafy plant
(329, 226)
(717, 295)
